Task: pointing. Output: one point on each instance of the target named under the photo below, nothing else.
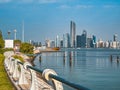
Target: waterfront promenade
(24, 79)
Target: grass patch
(5, 83)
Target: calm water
(91, 68)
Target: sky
(45, 19)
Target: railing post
(57, 84)
(16, 73)
(22, 79)
(9, 62)
(34, 85)
(12, 66)
(6, 62)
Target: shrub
(18, 57)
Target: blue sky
(45, 19)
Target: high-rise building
(72, 34)
(47, 42)
(100, 43)
(57, 41)
(83, 42)
(66, 40)
(52, 43)
(94, 41)
(61, 43)
(94, 38)
(89, 42)
(115, 37)
(78, 40)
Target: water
(91, 68)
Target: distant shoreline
(92, 49)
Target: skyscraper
(115, 37)
(89, 42)
(83, 42)
(78, 40)
(94, 41)
(66, 40)
(57, 41)
(72, 34)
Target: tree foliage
(2, 43)
(17, 42)
(26, 48)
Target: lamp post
(9, 34)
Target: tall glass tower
(72, 34)
(115, 37)
(84, 39)
(66, 40)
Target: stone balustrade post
(57, 84)
(6, 62)
(9, 62)
(22, 79)
(12, 66)
(16, 73)
(34, 85)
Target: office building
(78, 40)
(72, 34)
(94, 41)
(66, 40)
(83, 42)
(89, 42)
(57, 41)
(115, 38)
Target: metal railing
(24, 76)
(73, 85)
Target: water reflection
(81, 58)
(115, 59)
(93, 69)
(69, 58)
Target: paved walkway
(40, 83)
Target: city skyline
(46, 19)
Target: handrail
(12, 67)
(36, 69)
(76, 86)
(20, 62)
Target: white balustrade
(16, 73)
(34, 85)
(20, 73)
(12, 66)
(22, 79)
(57, 84)
(9, 62)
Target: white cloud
(83, 6)
(75, 7)
(47, 1)
(19, 1)
(5, 1)
(110, 6)
(25, 1)
(30, 1)
(64, 7)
